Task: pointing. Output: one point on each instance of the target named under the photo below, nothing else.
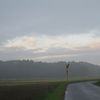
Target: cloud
(26, 42)
(87, 52)
(94, 45)
(55, 45)
(89, 46)
(39, 51)
(58, 56)
(20, 18)
(49, 30)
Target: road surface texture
(82, 91)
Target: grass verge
(97, 83)
(57, 93)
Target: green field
(97, 83)
(36, 90)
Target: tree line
(15, 69)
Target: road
(82, 91)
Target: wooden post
(67, 66)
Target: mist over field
(16, 69)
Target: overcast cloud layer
(50, 30)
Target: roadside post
(67, 66)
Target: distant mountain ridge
(29, 69)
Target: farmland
(35, 90)
(24, 90)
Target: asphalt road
(82, 91)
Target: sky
(50, 30)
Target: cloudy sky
(50, 30)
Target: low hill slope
(30, 69)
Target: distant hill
(84, 69)
(29, 69)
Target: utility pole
(67, 66)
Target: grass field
(36, 90)
(57, 94)
(97, 83)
